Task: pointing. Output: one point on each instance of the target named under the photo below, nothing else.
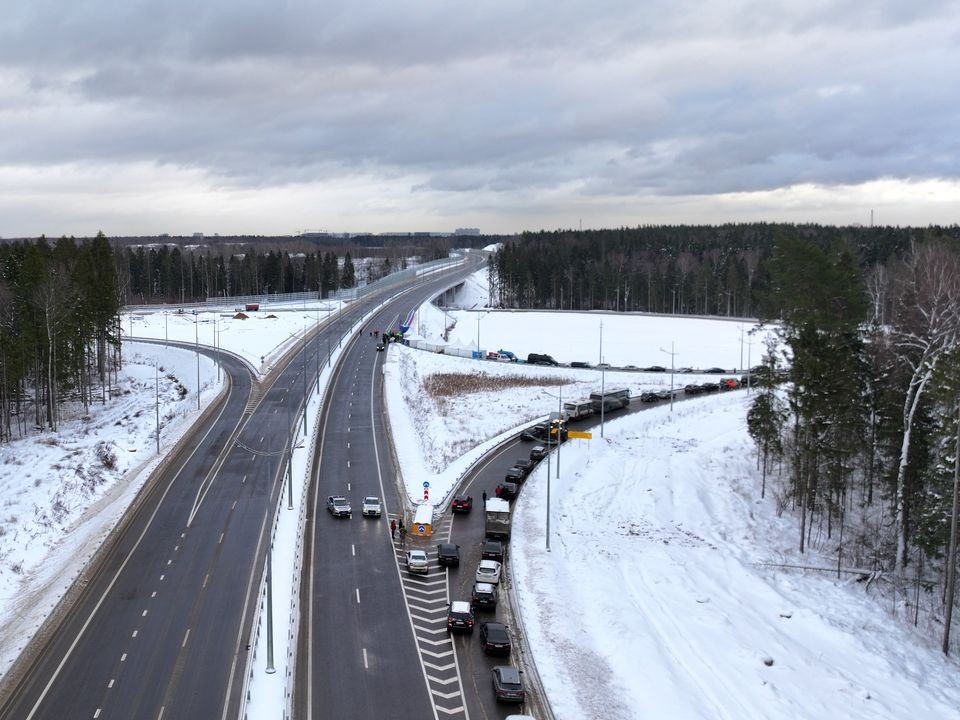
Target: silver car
(371, 506)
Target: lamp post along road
(672, 355)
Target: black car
(484, 596)
(524, 466)
(541, 359)
(494, 638)
(448, 554)
(715, 371)
(507, 491)
(538, 453)
(536, 432)
(649, 396)
(655, 368)
(693, 389)
(710, 387)
(380, 347)
(508, 684)
(460, 616)
(515, 475)
(492, 550)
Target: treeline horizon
(674, 269)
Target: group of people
(397, 526)
(385, 336)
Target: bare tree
(925, 324)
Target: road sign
(421, 529)
(581, 435)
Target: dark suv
(506, 491)
(539, 452)
(484, 596)
(492, 550)
(515, 475)
(448, 554)
(524, 466)
(494, 638)
(508, 684)
(460, 616)
(541, 359)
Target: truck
(610, 400)
(579, 409)
(497, 519)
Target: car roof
(508, 673)
(484, 587)
(447, 547)
(460, 606)
(489, 563)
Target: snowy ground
(651, 602)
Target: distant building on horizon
(467, 231)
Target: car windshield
(371, 501)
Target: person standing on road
(484, 498)
(393, 529)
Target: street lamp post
(672, 355)
(196, 342)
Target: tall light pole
(304, 380)
(672, 355)
(478, 331)
(156, 369)
(196, 342)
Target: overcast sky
(248, 116)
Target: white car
(488, 571)
(417, 561)
(371, 506)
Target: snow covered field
(652, 602)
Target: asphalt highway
(161, 627)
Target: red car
(462, 504)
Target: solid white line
(205, 579)
(110, 684)
(160, 716)
(234, 506)
(358, 596)
(185, 638)
(366, 665)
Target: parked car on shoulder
(693, 389)
(417, 561)
(462, 504)
(339, 506)
(508, 684)
(484, 596)
(506, 491)
(448, 554)
(488, 571)
(515, 475)
(541, 359)
(492, 550)
(495, 638)
(536, 432)
(649, 396)
(460, 617)
(525, 467)
(371, 507)
(538, 453)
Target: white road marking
(366, 665)
(123, 658)
(96, 714)
(110, 684)
(153, 594)
(205, 578)
(144, 613)
(134, 633)
(185, 638)
(234, 507)
(358, 596)
(162, 577)
(221, 539)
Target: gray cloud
(610, 98)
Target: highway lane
(161, 627)
(358, 654)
